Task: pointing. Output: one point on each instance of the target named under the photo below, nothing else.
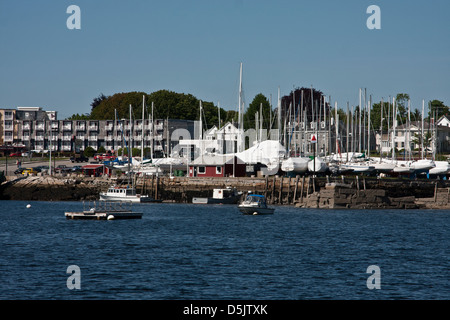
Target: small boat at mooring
(220, 196)
(255, 204)
(125, 193)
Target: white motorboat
(255, 204)
(295, 164)
(220, 196)
(125, 194)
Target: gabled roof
(215, 160)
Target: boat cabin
(256, 199)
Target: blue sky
(196, 46)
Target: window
(201, 170)
(218, 170)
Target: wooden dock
(105, 211)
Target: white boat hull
(134, 199)
(317, 165)
(297, 165)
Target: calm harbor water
(179, 251)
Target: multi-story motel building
(33, 129)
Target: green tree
(97, 101)
(401, 102)
(255, 106)
(77, 116)
(101, 149)
(437, 107)
(89, 152)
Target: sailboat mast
(260, 122)
(369, 106)
(302, 120)
(422, 133)
(131, 137)
(153, 134)
(409, 130)
(241, 111)
(279, 115)
(381, 130)
(142, 129)
(348, 124)
(360, 110)
(394, 123)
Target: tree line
(173, 105)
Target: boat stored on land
(255, 204)
(105, 211)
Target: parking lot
(35, 163)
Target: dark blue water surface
(179, 251)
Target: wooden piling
(289, 191)
(280, 194)
(303, 187)
(295, 190)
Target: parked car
(41, 169)
(103, 157)
(62, 168)
(76, 169)
(16, 154)
(29, 171)
(19, 171)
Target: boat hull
(250, 210)
(230, 200)
(134, 199)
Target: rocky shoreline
(47, 188)
(306, 192)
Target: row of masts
(302, 122)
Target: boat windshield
(254, 198)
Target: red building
(217, 166)
(96, 170)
